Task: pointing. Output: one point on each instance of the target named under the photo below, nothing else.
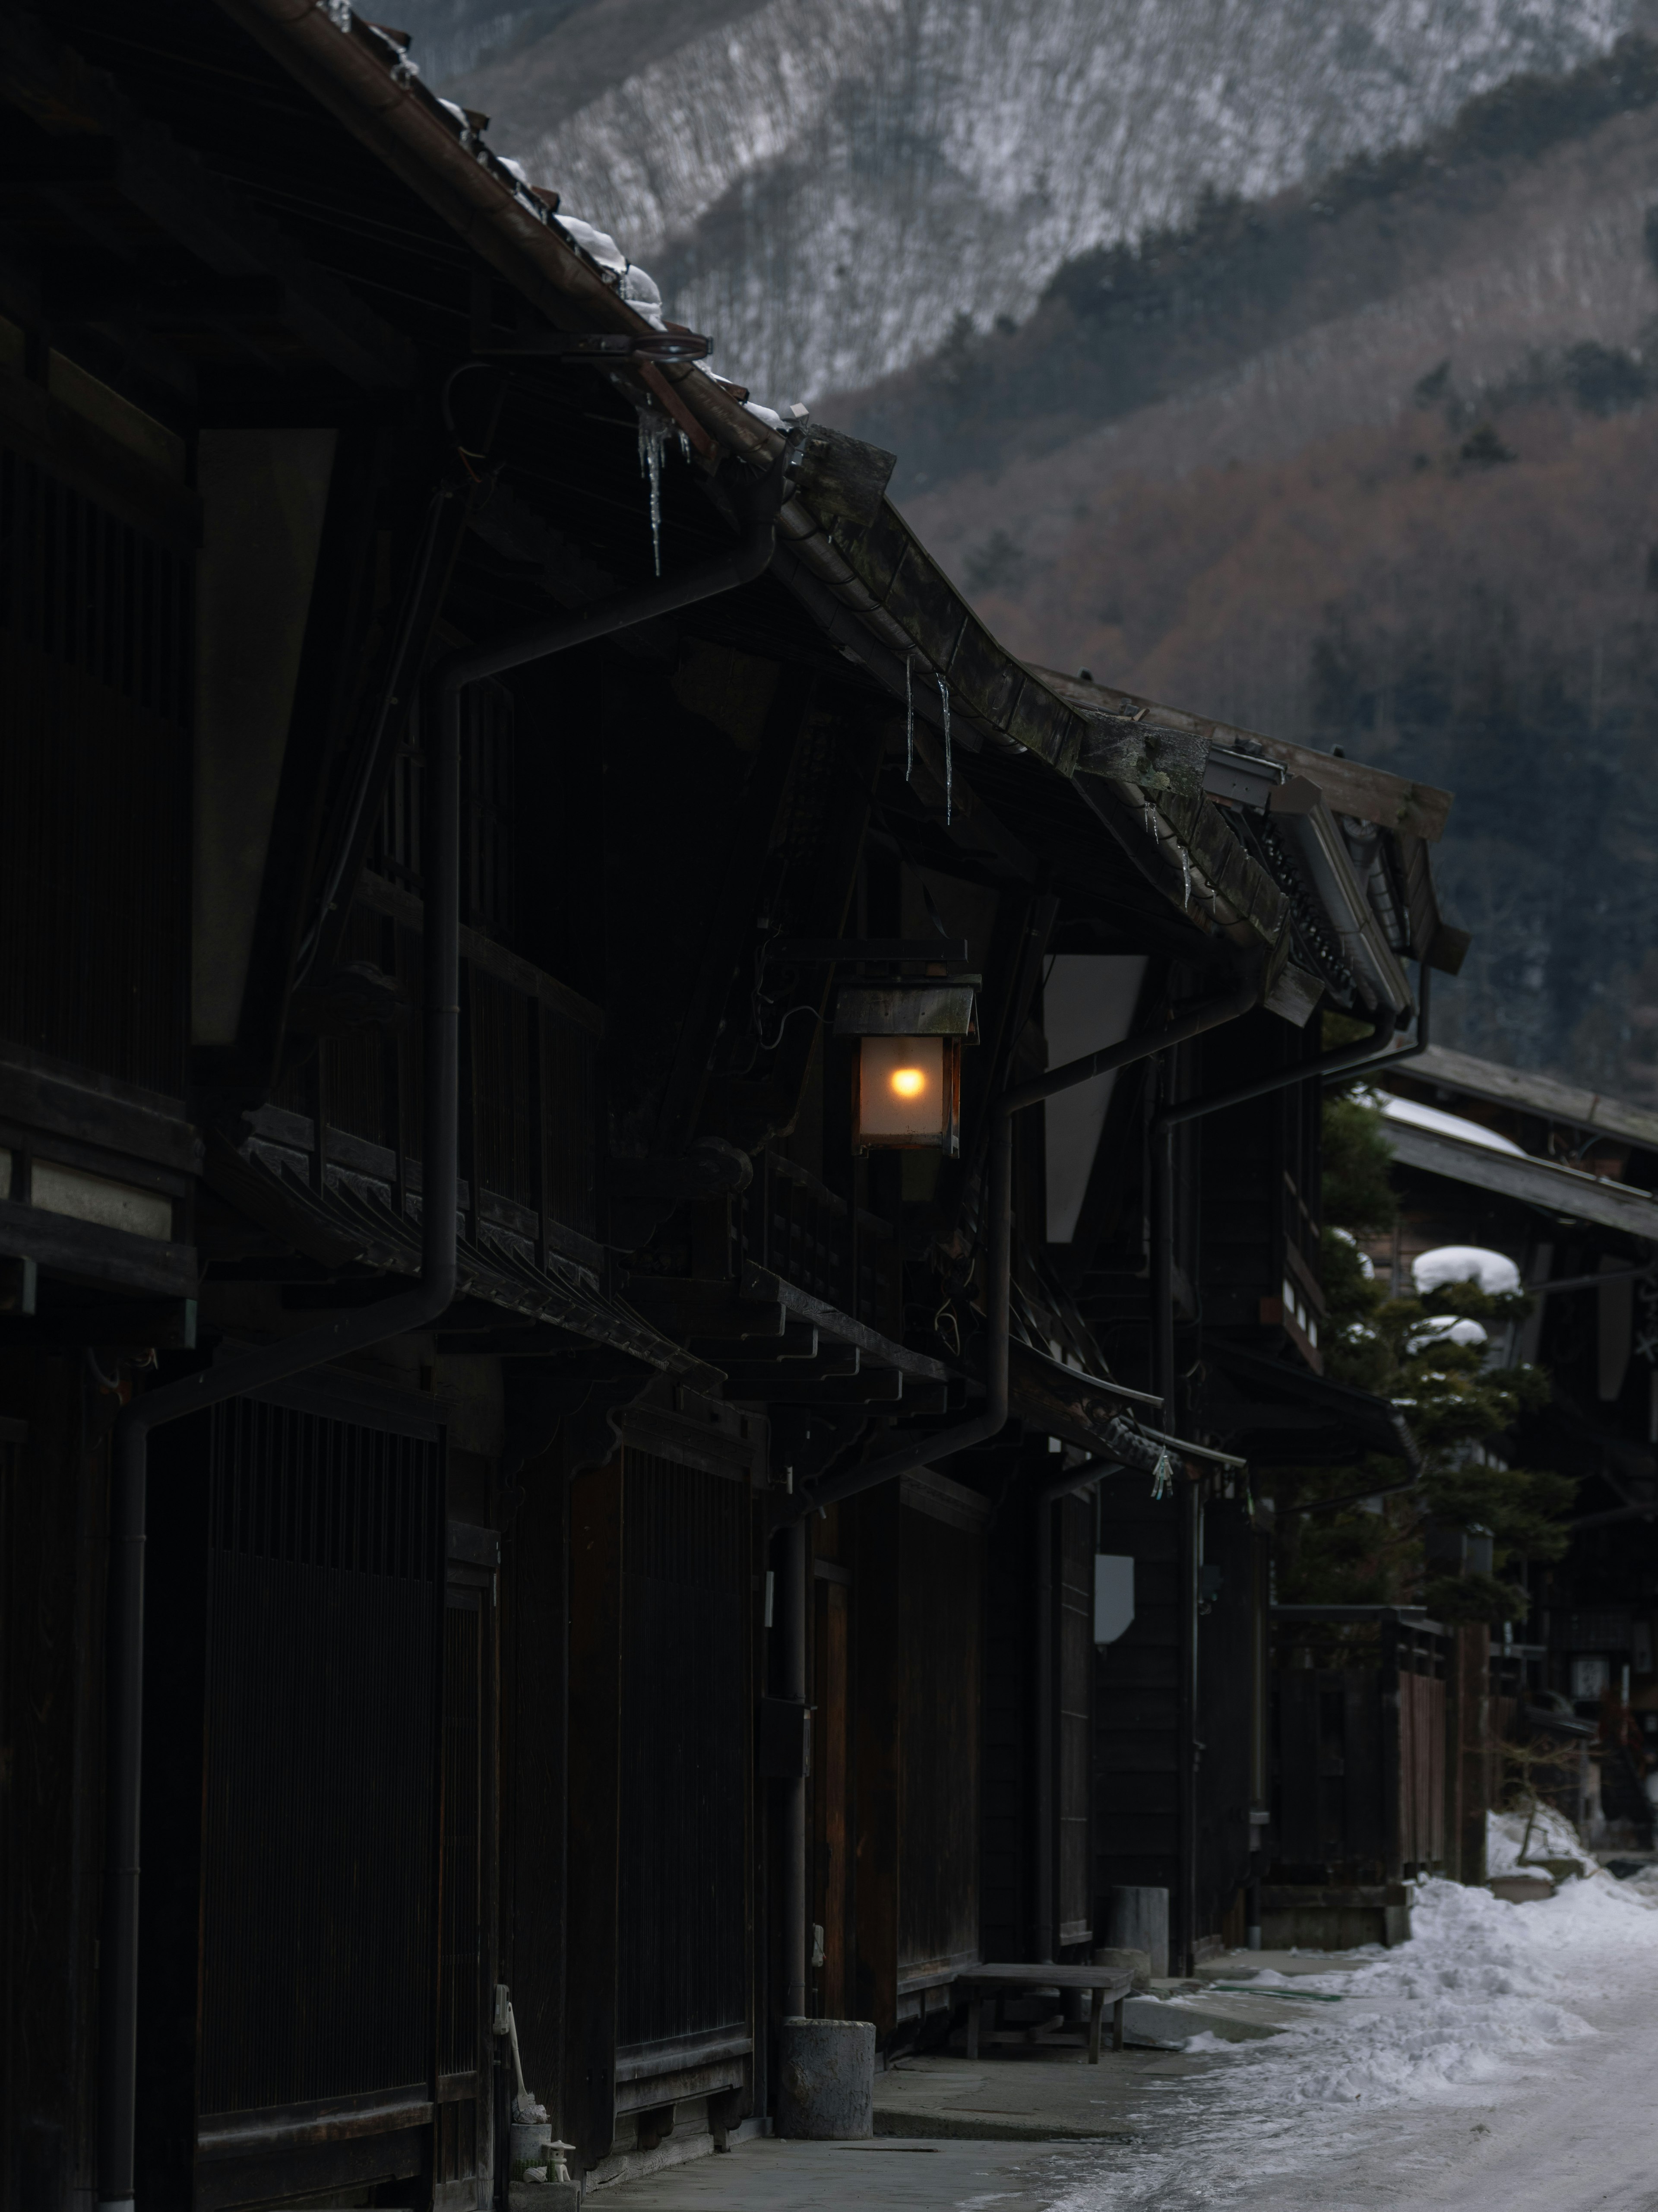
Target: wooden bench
(1106, 1985)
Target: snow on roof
(1448, 1125)
(598, 244)
(1464, 1263)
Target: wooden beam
(759, 1283)
(1350, 786)
(1049, 1398)
(82, 455)
(1527, 1093)
(145, 1132)
(341, 605)
(85, 1253)
(1563, 1192)
(141, 1324)
(684, 1307)
(198, 209)
(874, 1386)
(837, 1362)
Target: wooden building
(530, 1523)
(1563, 1182)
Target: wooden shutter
(326, 1573)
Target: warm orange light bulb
(907, 1082)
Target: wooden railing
(794, 1225)
(530, 1099)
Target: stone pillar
(1137, 1920)
(826, 2080)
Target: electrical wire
(770, 1043)
(110, 1383)
(466, 453)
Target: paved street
(1501, 2061)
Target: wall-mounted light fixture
(906, 1073)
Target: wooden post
(1471, 1752)
(877, 1596)
(595, 1807)
(1044, 1668)
(533, 1771)
(795, 1558)
(1394, 1795)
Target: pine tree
(1428, 1353)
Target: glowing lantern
(908, 1075)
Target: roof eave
(879, 574)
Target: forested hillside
(824, 184)
(1373, 464)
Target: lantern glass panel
(902, 1091)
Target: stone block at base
(545, 2196)
(1137, 1920)
(825, 2081)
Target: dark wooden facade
(1257, 1257)
(1389, 1743)
(464, 1684)
(1569, 1200)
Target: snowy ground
(1507, 2056)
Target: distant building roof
(1536, 1094)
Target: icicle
(909, 721)
(950, 778)
(1186, 878)
(684, 446)
(653, 435)
(1149, 816)
(1164, 1477)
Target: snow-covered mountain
(825, 185)
(1369, 465)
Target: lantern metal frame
(922, 1013)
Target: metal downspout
(796, 1595)
(1346, 1059)
(333, 1340)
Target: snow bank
(1481, 1985)
(1553, 1837)
(1480, 2003)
